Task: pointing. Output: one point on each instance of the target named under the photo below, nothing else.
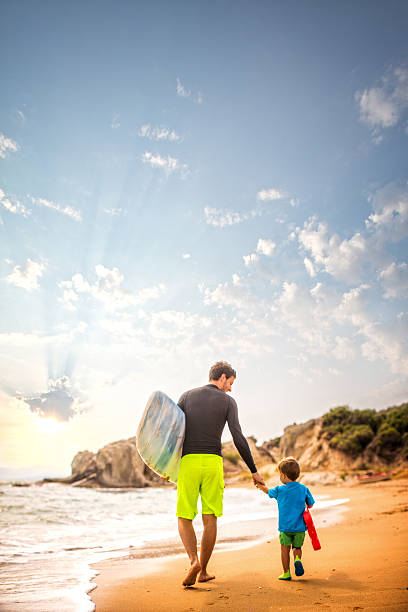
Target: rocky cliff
(311, 445)
(117, 464)
(306, 443)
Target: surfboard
(160, 436)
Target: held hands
(262, 488)
(257, 479)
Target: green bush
(397, 417)
(352, 430)
(366, 417)
(353, 439)
(336, 417)
(388, 438)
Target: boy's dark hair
(220, 368)
(290, 467)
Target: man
(207, 409)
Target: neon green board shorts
(200, 474)
(294, 539)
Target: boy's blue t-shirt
(292, 498)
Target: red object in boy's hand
(311, 529)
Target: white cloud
(390, 218)
(159, 133)
(353, 306)
(61, 402)
(224, 217)
(385, 105)
(343, 259)
(14, 206)
(113, 211)
(351, 259)
(250, 259)
(171, 324)
(26, 276)
(344, 349)
(115, 123)
(265, 246)
(168, 164)
(395, 280)
(261, 267)
(333, 371)
(385, 341)
(306, 313)
(7, 145)
(270, 194)
(309, 267)
(226, 295)
(64, 210)
(36, 341)
(183, 92)
(377, 108)
(107, 289)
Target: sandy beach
(363, 565)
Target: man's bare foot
(204, 577)
(191, 577)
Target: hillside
(339, 442)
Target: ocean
(51, 534)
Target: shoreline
(232, 535)
(351, 571)
(362, 565)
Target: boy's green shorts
(294, 539)
(200, 474)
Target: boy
(292, 498)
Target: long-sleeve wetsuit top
(207, 409)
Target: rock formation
(115, 465)
(119, 465)
(309, 444)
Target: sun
(48, 425)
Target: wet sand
(363, 565)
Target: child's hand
(262, 488)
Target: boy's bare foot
(204, 577)
(191, 577)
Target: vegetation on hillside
(384, 433)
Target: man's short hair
(290, 467)
(220, 368)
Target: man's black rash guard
(207, 409)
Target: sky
(186, 182)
